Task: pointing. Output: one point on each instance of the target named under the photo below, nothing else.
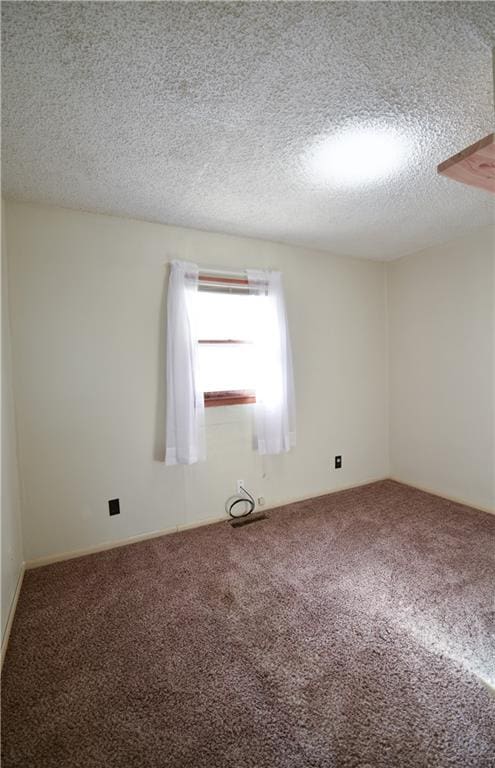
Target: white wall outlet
(261, 501)
(240, 486)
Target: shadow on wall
(160, 410)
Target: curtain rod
(225, 277)
(220, 272)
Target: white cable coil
(236, 499)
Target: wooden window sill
(217, 399)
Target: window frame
(225, 397)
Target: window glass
(224, 318)
(226, 367)
(225, 315)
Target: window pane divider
(224, 341)
(229, 397)
(204, 278)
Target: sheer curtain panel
(185, 441)
(275, 399)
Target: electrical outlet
(261, 501)
(114, 507)
(338, 462)
(240, 486)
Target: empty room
(248, 385)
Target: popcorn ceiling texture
(199, 114)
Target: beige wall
(442, 351)
(88, 295)
(12, 556)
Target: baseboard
(61, 556)
(200, 523)
(49, 559)
(456, 500)
(10, 619)
(284, 503)
(338, 489)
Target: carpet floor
(351, 630)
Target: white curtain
(185, 443)
(275, 400)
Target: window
(226, 324)
(232, 344)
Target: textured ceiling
(200, 114)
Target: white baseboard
(338, 489)
(48, 559)
(200, 523)
(455, 499)
(10, 620)
(60, 557)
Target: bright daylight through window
(227, 329)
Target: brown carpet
(350, 630)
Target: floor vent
(253, 518)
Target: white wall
(12, 556)
(88, 296)
(442, 352)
